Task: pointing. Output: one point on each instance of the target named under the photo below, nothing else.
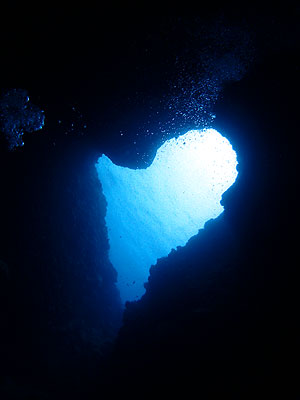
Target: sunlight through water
(152, 211)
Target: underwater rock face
(152, 211)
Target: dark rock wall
(217, 313)
(60, 309)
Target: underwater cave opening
(154, 210)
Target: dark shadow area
(219, 315)
(61, 310)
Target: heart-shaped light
(152, 211)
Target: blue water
(152, 211)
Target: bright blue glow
(152, 211)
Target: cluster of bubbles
(211, 55)
(17, 116)
(217, 54)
